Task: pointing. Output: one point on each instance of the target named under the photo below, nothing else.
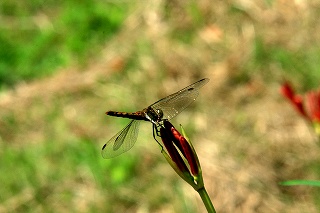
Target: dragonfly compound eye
(160, 114)
(154, 115)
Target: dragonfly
(164, 109)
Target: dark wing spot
(190, 89)
(104, 146)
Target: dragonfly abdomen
(132, 115)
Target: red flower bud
(173, 152)
(176, 143)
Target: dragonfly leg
(156, 132)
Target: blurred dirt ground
(247, 136)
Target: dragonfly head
(155, 116)
(160, 114)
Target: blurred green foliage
(302, 64)
(22, 170)
(39, 36)
(272, 61)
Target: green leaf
(301, 182)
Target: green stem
(206, 200)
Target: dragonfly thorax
(155, 116)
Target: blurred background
(63, 64)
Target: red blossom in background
(297, 101)
(310, 109)
(313, 104)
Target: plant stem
(206, 200)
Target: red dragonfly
(164, 109)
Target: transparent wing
(173, 104)
(122, 141)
